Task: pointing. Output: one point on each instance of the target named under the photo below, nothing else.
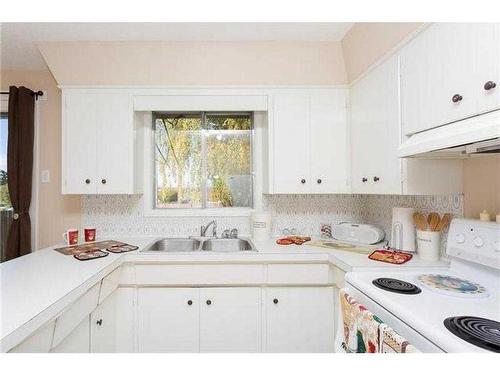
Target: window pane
(178, 163)
(4, 190)
(229, 160)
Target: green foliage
(167, 195)
(4, 197)
(220, 193)
(3, 177)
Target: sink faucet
(204, 228)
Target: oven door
(416, 339)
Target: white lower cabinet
(78, 341)
(39, 342)
(230, 320)
(168, 320)
(299, 319)
(112, 323)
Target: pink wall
(57, 212)
(366, 42)
(482, 186)
(195, 63)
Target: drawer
(298, 273)
(109, 284)
(192, 274)
(74, 315)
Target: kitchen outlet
(45, 176)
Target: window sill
(194, 212)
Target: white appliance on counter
(403, 229)
(456, 309)
(366, 234)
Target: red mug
(71, 237)
(89, 234)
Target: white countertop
(47, 280)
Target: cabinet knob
(489, 85)
(103, 181)
(99, 322)
(275, 301)
(209, 302)
(364, 179)
(319, 181)
(190, 302)
(87, 181)
(376, 178)
(456, 98)
(303, 181)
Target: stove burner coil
(484, 333)
(396, 286)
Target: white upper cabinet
(308, 142)
(443, 73)
(487, 84)
(290, 147)
(98, 143)
(328, 142)
(375, 138)
(375, 131)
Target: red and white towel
(361, 331)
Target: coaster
(117, 249)
(91, 254)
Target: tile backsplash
(123, 214)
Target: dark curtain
(20, 168)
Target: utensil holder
(428, 244)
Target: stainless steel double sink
(184, 245)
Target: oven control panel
(475, 241)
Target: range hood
(473, 136)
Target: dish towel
(391, 342)
(361, 331)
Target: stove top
(484, 333)
(396, 286)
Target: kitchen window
(203, 160)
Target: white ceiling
(18, 48)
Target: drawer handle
(275, 301)
(103, 181)
(364, 179)
(303, 181)
(87, 181)
(190, 302)
(456, 98)
(489, 85)
(99, 322)
(319, 181)
(209, 302)
(376, 178)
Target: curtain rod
(36, 94)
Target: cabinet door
(488, 66)
(78, 340)
(299, 319)
(437, 65)
(168, 320)
(38, 342)
(114, 144)
(230, 320)
(291, 143)
(328, 132)
(79, 158)
(375, 131)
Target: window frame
(150, 186)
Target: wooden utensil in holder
(429, 233)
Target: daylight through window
(203, 160)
